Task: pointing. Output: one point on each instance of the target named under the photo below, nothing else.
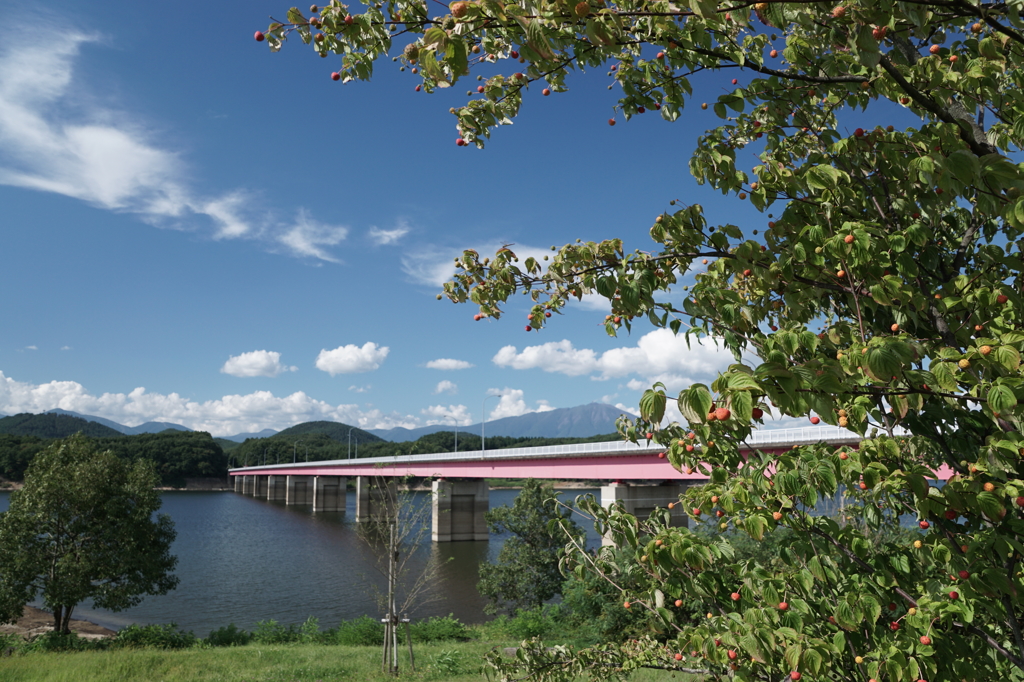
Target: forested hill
(54, 426)
(177, 454)
(336, 431)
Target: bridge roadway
(460, 493)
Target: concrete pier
(458, 509)
(276, 486)
(640, 501)
(299, 490)
(329, 493)
(247, 484)
(238, 483)
(260, 486)
(374, 496)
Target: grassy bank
(455, 661)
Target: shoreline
(35, 622)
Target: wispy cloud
(387, 237)
(53, 140)
(446, 387)
(448, 364)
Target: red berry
(259, 36)
(926, 640)
(1002, 298)
(611, 121)
(460, 142)
(732, 655)
(735, 596)
(679, 657)
(349, 20)
(1020, 501)
(734, 81)
(757, 413)
(513, 54)
(815, 420)
(934, 49)
(545, 92)
(894, 626)
(417, 88)
(528, 327)
(722, 414)
(964, 575)
(335, 76)
(640, 110)
(924, 525)
(794, 675)
(954, 595)
(859, 132)
(950, 515)
(661, 55)
(480, 88)
(783, 606)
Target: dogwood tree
(881, 293)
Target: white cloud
(448, 364)
(659, 355)
(386, 237)
(511, 404)
(56, 138)
(448, 414)
(446, 387)
(224, 416)
(306, 237)
(65, 347)
(351, 359)
(31, 347)
(257, 363)
(360, 389)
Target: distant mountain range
(148, 427)
(567, 422)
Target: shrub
(272, 632)
(229, 636)
(362, 631)
(439, 629)
(167, 636)
(529, 623)
(57, 641)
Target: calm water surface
(242, 560)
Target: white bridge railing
(811, 434)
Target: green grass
(454, 661)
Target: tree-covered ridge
(49, 425)
(334, 430)
(177, 455)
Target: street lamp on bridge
(483, 422)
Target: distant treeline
(178, 454)
(282, 448)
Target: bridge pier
(375, 497)
(259, 488)
(247, 483)
(640, 501)
(299, 490)
(276, 486)
(238, 482)
(458, 509)
(329, 493)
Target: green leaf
(1001, 399)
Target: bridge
(641, 478)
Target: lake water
(242, 560)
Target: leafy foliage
(883, 294)
(526, 573)
(83, 527)
(167, 636)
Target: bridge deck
(614, 460)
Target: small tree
(83, 528)
(527, 572)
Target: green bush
(362, 631)
(167, 636)
(539, 621)
(56, 641)
(229, 636)
(439, 629)
(272, 632)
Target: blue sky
(196, 230)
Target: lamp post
(293, 451)
(483, 415)
(454, 419)
(350, 442)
